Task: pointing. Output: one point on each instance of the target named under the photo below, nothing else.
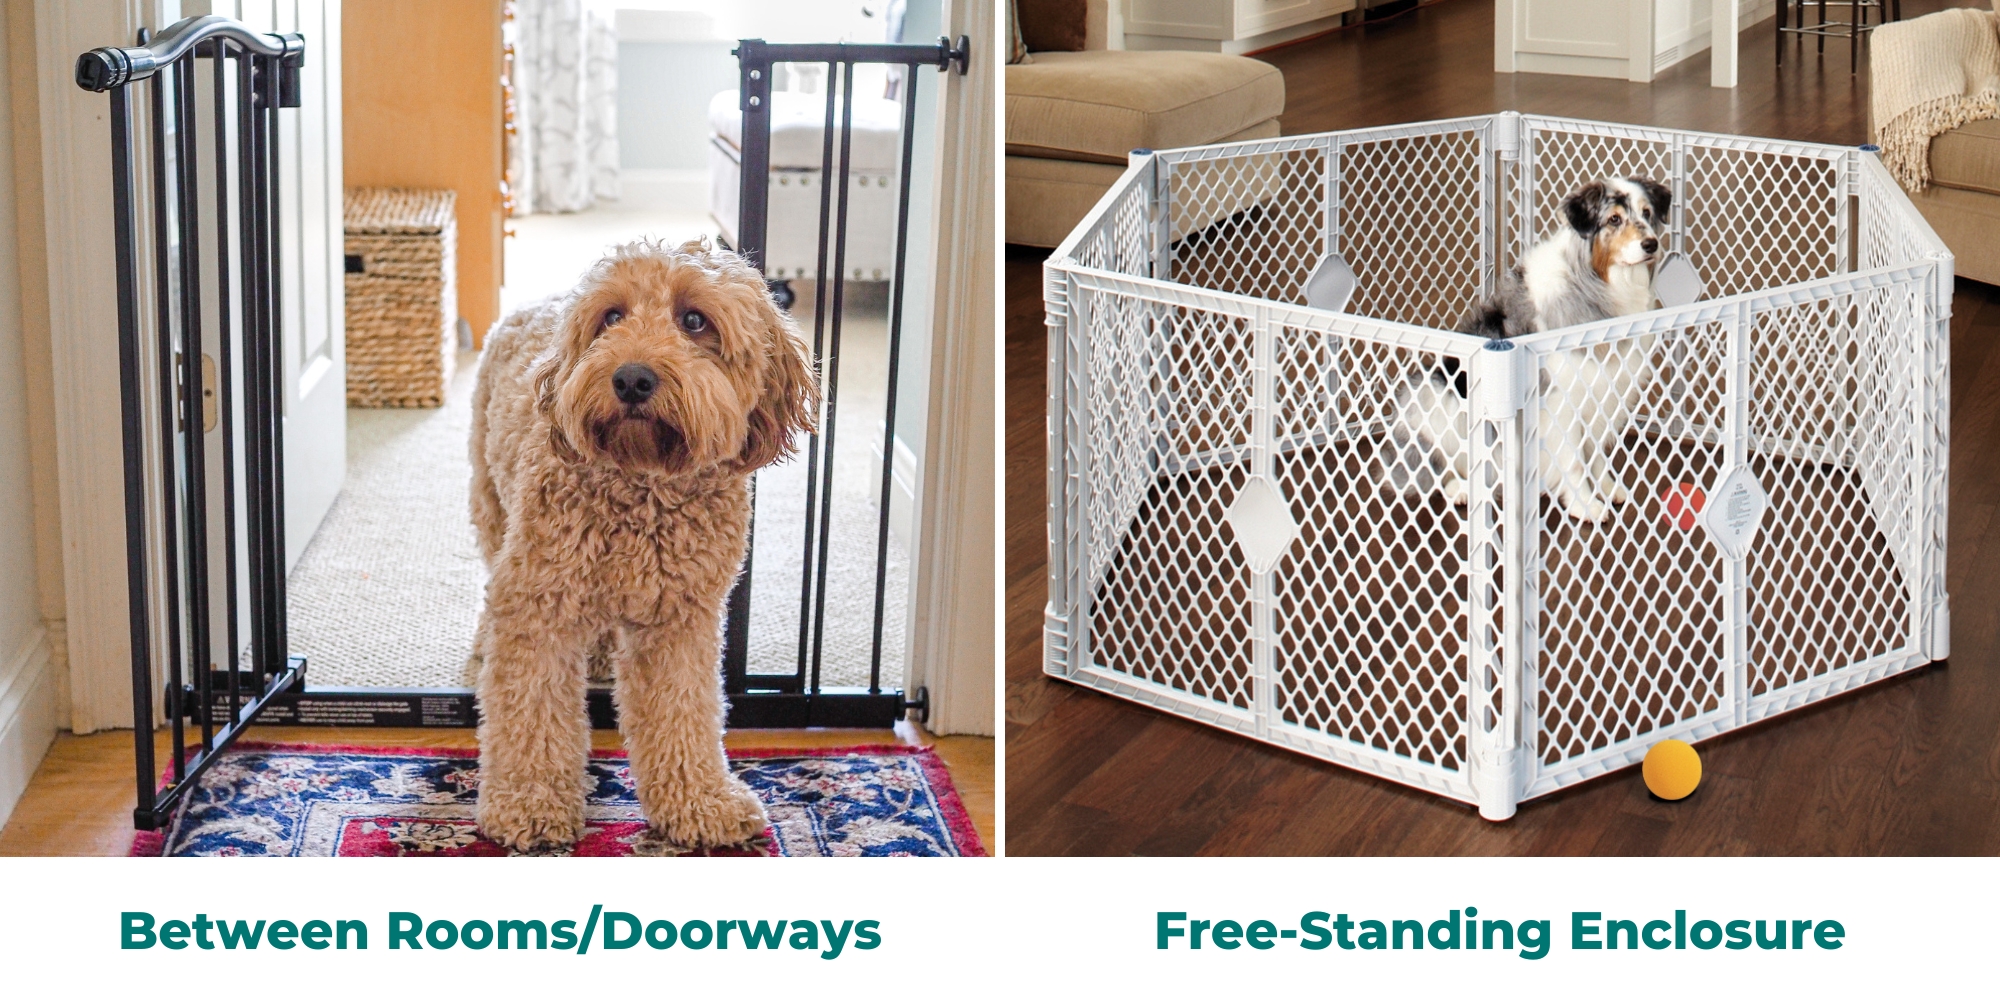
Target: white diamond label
(1735, 511)
(1262, 520)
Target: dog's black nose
(1649, 245)
(634, 383)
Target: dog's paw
(529, 822)
(1614, 491)
(1457, 492)
(1587, 509)
(715, 817)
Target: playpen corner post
(1496, 394)
(1737, 391)
(1934, 375)
(1058, 297)
(1502, 168)
(1159, 191)
(1263, 406)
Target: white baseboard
(27, 718)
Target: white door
(313, 313)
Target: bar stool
(1851, 29)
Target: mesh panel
(1760, 220)
(1172, 605)
(1827, 588)
(1631, 620)
(1254, 225)
(1413, 221)
(1370, 604)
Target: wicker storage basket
(402, 301)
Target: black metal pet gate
(798, 698)
(172, 501)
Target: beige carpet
(388, 592)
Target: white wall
(27, 684)
(1681, 27)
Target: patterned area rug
(306, 800)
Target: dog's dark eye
(611, 318)
(693, 321)
(1616, 220)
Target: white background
(1017, 926)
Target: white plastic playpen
(1224, 543)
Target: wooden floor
(80, 801)
(1910, 766)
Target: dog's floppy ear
(789, 402)
(1583, 208)
(1658, 194)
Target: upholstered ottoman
(792, 240)
(1074, 117)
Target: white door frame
(83, 335)
(954, 616)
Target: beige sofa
(1963, 200)
(1074, 117)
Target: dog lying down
(1598, 265)
(614, 433)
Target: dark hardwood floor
(1909, 766)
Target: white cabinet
(1232, 26)
(1622, 39)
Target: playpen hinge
(1506, 137)
(1940, 646)
(1498, 389)
(1055, 643)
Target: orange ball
(1672, 770)
(1683, 504)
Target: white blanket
(1930, 75)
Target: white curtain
(565, 142)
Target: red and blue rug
(307, 800)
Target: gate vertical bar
(1263, 631)
(166, 358)
(827, 185)
(753, 211)
(895, 358)
(134, 455)
(1057, 626)
(830, 411)
(226, 379)
(1330, 197)
(270, 99)
(194, 436)
(1736, 452)
(1933, 357)
(1493, 615)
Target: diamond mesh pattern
(1370, 605)
(1631, 621)
(1827, 589)
(1381, 638)
(1173, 604)
(1760, 220)
(1254, 225)
(1413, 222)
(1123, 242)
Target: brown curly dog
(614, 433)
